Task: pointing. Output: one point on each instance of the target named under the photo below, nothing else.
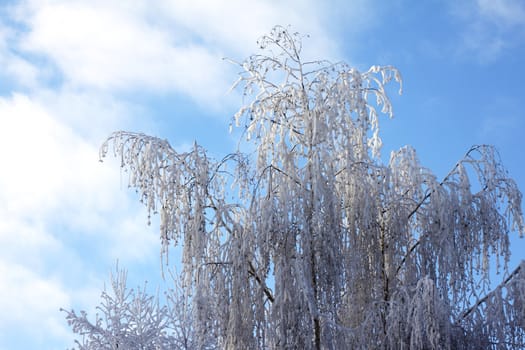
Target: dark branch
(267, 291)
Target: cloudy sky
(73, 71)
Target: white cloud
(504, 12)
(97, 45)
(29, 301)
(21, 240)
(53, 175)
(496, 125)
(501, 121)
(236, 25)
(21, 70)
(491, 27)
(164, 46)
(30, 142)
(92, 115)
(62, 214)
(13, 66)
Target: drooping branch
(488, 185)
(517, 271)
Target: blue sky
(72, 71)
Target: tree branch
(486, 297)
(267, 291)
(427, 196)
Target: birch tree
(308, 240)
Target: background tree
(133, 319)
(310, 241)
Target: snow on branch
(127, 319)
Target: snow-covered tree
(308, 240)
(133, 319)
